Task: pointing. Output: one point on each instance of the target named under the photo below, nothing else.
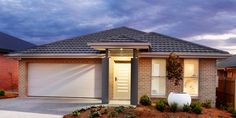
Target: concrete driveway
(41, 105)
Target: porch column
(134, 79)
(105, 78)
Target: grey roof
(10, 43)
(122, 38)
(159, 43)
(229, 62)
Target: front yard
(144, 112)
(159, 109)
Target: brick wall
(24, 63)
(208, 73)
(207, 79)
(8, 74)
(144, 76)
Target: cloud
(225, 41)
(42, 21)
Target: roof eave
(185, 55)
(18, 55)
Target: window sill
(163, 96)
(158, 96)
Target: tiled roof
(163, 43)
(121, 38)
(11, 43)
(159, 43)
(227, 63)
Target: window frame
(198, 77)
(158, 95)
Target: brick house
(116, 64)
(8, 66)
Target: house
(9, 67)
(227, 85)
(116, 64)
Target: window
(191, 71)
(158, 86)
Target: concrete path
(39, 106)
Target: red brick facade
(8, 74)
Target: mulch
(148, 112)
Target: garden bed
(147, 112)
(9, 95)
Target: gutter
(19, 55)
(185, 55)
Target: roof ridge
(170, 37)
(121, 36)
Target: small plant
(196, 107)
(119, 109)
(130, 115)
(223, 107)
(230, 109)
(207, 104)
(94, 114)
(76, 113)
(160, 105)
(194, 104)
(104, 111)
(186, 108)
(145, 100)
(131, 107)
(112, 114)
(233, 114)
(173, 107)
(2, 92)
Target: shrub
(119, 109)
(173, 107)
(112, 114)
(104, 111)
(196, 107)
(131, 107)
(160, 105)
(230, 109)
(145, 100)
(94, 114)
(2, 92)
(233, 114)
(130, 115)
(76, 113)
(223, 107)
(194, 104)
(186, 108)
(207, 104)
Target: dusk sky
(207, 22)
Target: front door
(122, 80)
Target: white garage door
(65, 80)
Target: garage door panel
(66, 80)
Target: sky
(207, 22)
